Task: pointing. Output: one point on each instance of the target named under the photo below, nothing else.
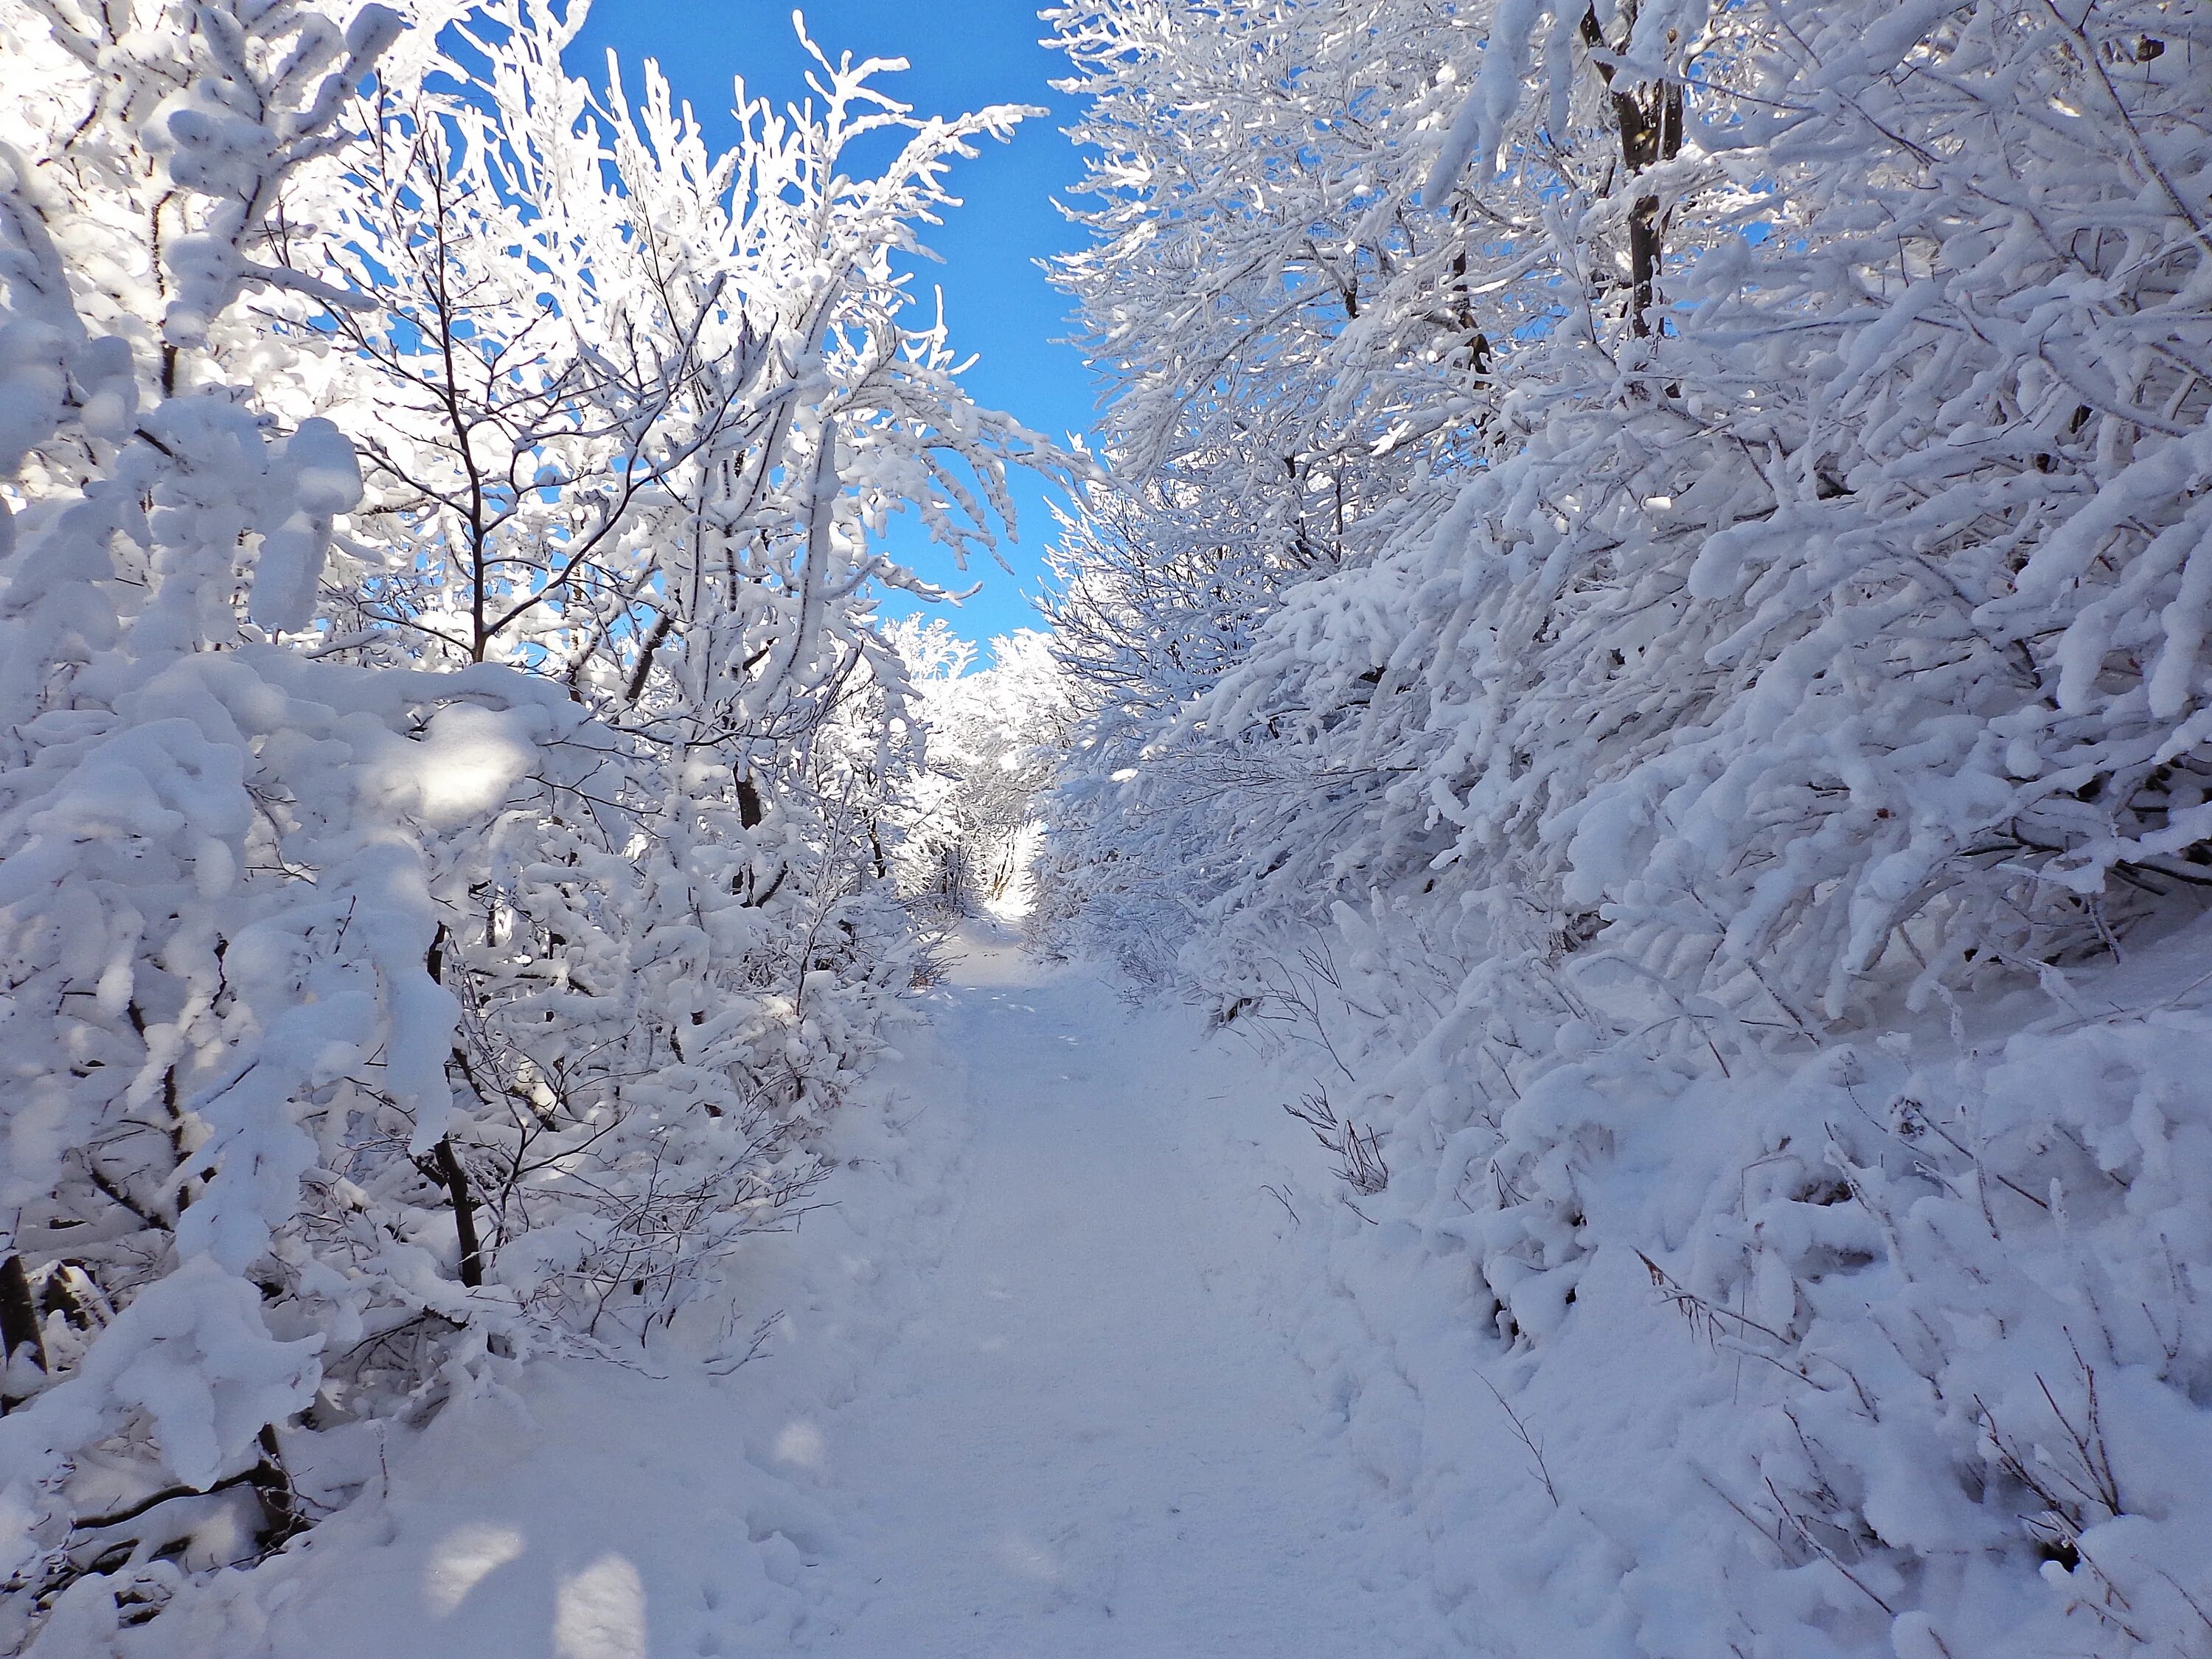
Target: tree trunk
(1650, 125)
(19, 1326)
(464, 1211)
(281, 1518)
(448, 1162)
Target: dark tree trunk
(1650, 121)
(19, 1324)
(448, 1162)
(281, 1516)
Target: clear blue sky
(998, 306)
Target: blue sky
(998, 305)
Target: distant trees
(995, 737)
(445, 744)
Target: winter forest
(1560, 1007)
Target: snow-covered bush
(1648, 584)
(1888, 1329)
(439, 893)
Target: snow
(1024, 1398)
(598, 1513)
(467, 760)
(1081, 1352)
(319, 468)
(1089, 1440)
(1639, 677)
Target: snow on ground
(1024, 1402)
(1089, 1441)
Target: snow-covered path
(1027, 1403)
(1087, 1443)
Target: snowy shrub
(445, 743)
(1913, 1323)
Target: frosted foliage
(1653, 579)
(447, 752)
(1843, 619)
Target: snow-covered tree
(1753, 459)
(438, 895)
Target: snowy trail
(1026, 1405)
(1096, 1447)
